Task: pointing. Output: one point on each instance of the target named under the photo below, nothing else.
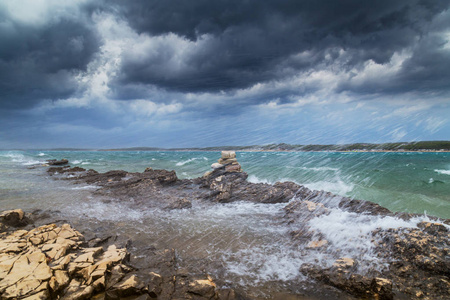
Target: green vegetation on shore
(406, 146)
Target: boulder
(205, 288)
(180, 204)
(54, 162)
(155, 284)
(14, 218)
(226, 161)
(216, 165)
(233, 168)
(130, 285)
(228, 154)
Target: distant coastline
(423, 146)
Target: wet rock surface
(54, 162)
(414, 262)
(56, 262)
(411, 263)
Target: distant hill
(403, 146)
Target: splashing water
(241, 242)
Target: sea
(246, 244)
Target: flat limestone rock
(205, 288)
(344, 262)
(130, 285)
(23, 288)
(86, 257)
(317, 244)
(59, 281)
(216, 166)
(42, 272)
(225, 161)
(52, 262)
(228, 154)
(43, 295)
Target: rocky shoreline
(57, 262)
(416, 260)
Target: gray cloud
(234, 45)
(256, 41)
(40, 61)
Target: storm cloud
(114, 64)
(241, 43)
(39, 60)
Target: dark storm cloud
(235, 44)
(256, 41)
(39, 61)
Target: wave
(254, 179)
(445, 172)
(337, 187)
(86, 187)
(14, 156)
(81, 162)
(182, 163)
(31, 162)
(21, 158)
(319, 169)
(434, 181)
(334, 227)
(42, 154)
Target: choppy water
(410, 182)
(243, 243)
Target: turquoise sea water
(247, 245)
(409, 182)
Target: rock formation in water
(416, 260)
(54, 162)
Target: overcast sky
(177, 73)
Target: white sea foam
(31, 163)
(182, 163)
(22, 159)
(42, 154)
(445, 172)
(319, 169)
(76, 162)
(337, 187)
(15, 157)
(268, 262)
(349, 234)
(108, 211)
(85, 187)
(254, 179)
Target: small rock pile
(229, 161)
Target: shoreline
(407, 252)
(244, 150)
(419, 146)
